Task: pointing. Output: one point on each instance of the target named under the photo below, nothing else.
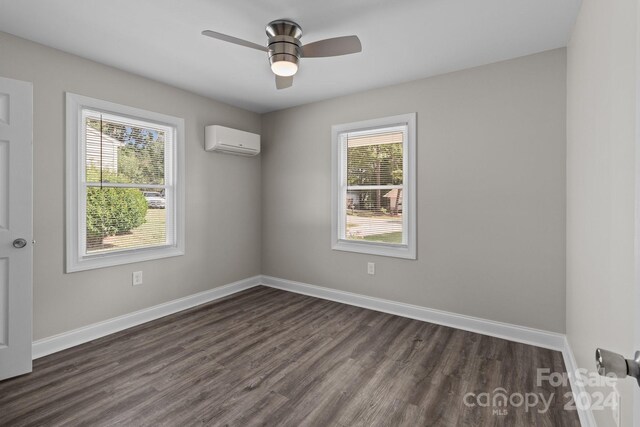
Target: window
(125, 197)
(374, 191)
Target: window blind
(128, 187)
(373, 184)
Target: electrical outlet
(136, 278)
(371, 268)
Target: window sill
(396, 251)
(91, 262)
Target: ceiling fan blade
(283, 82)
(332, 47)
(234, 40)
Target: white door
(16, 252)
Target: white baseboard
(507, 331)
(586, 415)
(537, 337)
(82, 335)
(522, 334)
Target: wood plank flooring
(269, 357)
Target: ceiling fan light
(284, 68)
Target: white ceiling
(402, 40)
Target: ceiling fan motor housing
(284, 41)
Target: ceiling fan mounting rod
(284, 27)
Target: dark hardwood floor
(268, 357)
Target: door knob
(19, 243)
(608, 362)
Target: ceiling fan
(285, 49)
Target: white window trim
(406, 250)
(74, 177)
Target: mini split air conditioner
(231, 141)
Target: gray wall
(222, 194)
(601, 191)
(491, 193)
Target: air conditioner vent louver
(231, 141)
